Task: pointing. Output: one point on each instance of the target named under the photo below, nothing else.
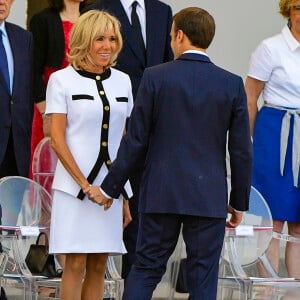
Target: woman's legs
(273, 250)
(292, 251)
(93, 284)
(72, 276)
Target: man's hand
(95, 195)
(236, 217)
(126, 213)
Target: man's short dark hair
(197, 24)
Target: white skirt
(84, 227)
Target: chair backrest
(44, 163)
(247, 244)
(26, 210)
(24, 202)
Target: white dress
(96, 106)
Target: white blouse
(276, 61)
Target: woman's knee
(75, 263)
(278, 226)
(97, 262)
(294, 229)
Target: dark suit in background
(182, 115)
(16, 107)
(132, 62)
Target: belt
(284, 134)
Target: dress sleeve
(261, 63)
(56, 95)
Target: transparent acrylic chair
(44, 163)
(245, 269)
(25, 212)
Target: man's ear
(180, 35)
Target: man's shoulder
(224, 75)
(158, 3)
(158, 6)
(175, 66)
(16, 29)
(160, 68)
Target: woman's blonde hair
(88, 28)
(285, 7)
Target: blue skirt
(279, 191)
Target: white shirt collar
(195, 52)
(289, 38)
(127, 3)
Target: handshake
(95, 194)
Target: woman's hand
(95, 195)
(126, 213)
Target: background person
(88, 103)
(155, 20)
(274, 72)
(179, 128)
(16, 106)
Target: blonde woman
(89, 103)
(274, 72)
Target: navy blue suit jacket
(16, 109)
(178, 131)
(158, 27)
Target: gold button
(105, 126)
(108, 162)
(106, 107)
(98, 77)
(101, 93)
(104, 144)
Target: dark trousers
(157, 238)
(8, 166)
(131, 231)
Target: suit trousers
(8, 167)
(157, 239)
(131, 231)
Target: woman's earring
(289, 24)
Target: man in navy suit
(16, 105)
(184, 111)
(155, 21)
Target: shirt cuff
(106, 195)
